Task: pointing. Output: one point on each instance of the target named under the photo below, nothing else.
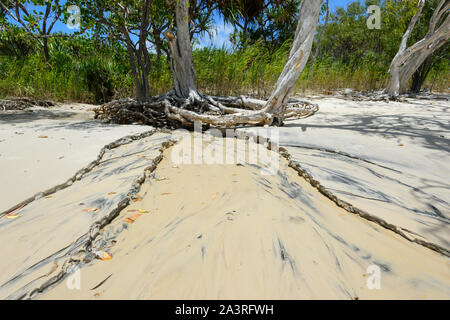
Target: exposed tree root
(23, 103)
(171, 111)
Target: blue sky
(220, 36)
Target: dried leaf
(166, 193)
(48, 197)
(129, 220)
(133, 218)
(12, 216)
(91, 210)
(43, 137)
(103, 255)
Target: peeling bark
(298, 57)
(185, 105)
(408, 60)
(182, 62)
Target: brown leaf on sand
(103, 255)
(43, 137)
(133, 218)
(90, 210)
(112, 193)
(166, 193)
(137, 199)
(48, 197)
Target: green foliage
(96, 69)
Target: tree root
(170, 111)
(23, 103)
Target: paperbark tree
(182, 62)
(409, 59)
(251, 111)
(186, 105)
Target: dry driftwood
(171, 111)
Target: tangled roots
(171, 111)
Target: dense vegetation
(95, 69)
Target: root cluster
(23, 103)
(171, 111)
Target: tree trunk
(298, 57)
(408, 60)
(182, 62)
(45, 47)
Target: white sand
(226, 232)
(29, 164)
(408, 143)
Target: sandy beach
(140, 224)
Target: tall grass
(86, 71)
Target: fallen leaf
(12, 216)
(131, 210)
(401, 145)
(129, 220)
(48, 197)
(105, 256)
(90, 210)
(43, 137)
(133, 218)
(112, 193)
(166, 193)
(137, 199)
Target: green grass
(84, 71)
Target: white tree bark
(182, 62)
(298, 57)
(408, 60)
